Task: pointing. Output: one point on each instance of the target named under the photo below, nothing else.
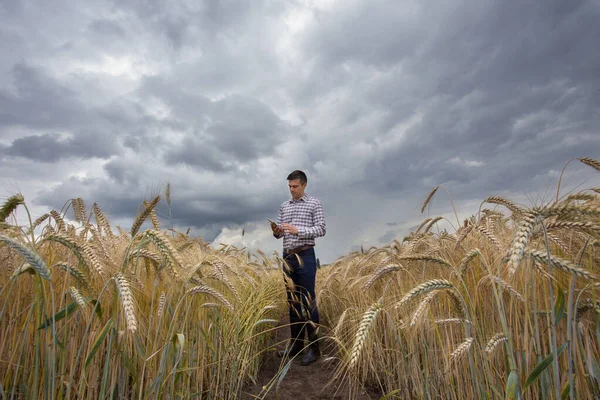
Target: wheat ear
(212, 292)
(591, 162)
(28, 255)
(60, 222)
(161, 304)
(520, 241)
(422, 308)
(426, 287)
(74, 272)
(494, 342)
(429, 197)
(567, 266)
(153, 216)
(450, 321)
(378, 274)
(75, 295)
(127, 300)
(464, 263)
(491, 237)
(137, 223)
(363, 331)
(515, 209)
(431, 223)
(103, 224)
(461, 350)
(581, 225)
(10, 205)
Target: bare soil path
(310, 382)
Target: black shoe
(291, 351)
(312, 355)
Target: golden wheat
(426, 287)
(591, 162)
(461, 350)
(429, 197)
(127, 300)
(363, 331)
(212, 292)
(494, 342)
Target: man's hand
(289, 229)
(276, 230)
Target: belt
(296, 250)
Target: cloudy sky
(377, 101)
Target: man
(301, 219)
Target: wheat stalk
(429, 197)
(363, 331)
(426, 287)
(127, 300)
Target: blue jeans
(301, 297)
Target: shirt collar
(303, 198)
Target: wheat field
(504, 306)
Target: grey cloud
(238, 130)
(38, 100)
(51, 148)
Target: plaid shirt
(307, 215)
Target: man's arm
(319, 228)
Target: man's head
(297, 183)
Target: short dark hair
(297, 174)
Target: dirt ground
(310, 382)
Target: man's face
(296, 188)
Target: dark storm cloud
(238, 130)
(50, 148)
(35, 99)
(378, 101)
(500, 86)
